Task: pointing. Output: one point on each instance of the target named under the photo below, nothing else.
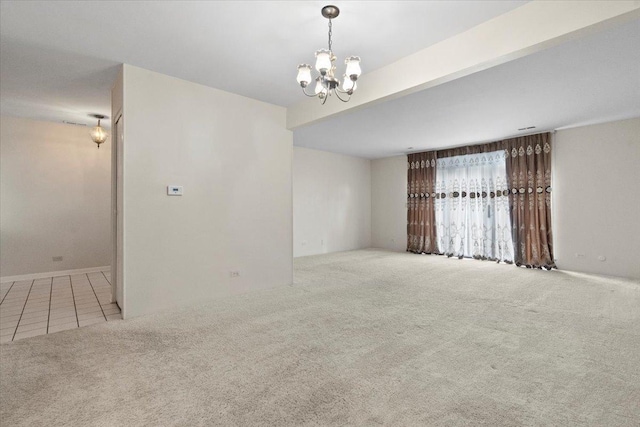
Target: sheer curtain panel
(472, 207)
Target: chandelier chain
(330, 33)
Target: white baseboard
(53, 274)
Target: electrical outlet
(234, 273)
(57, 258)
(602, 258)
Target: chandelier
(326, 83)
(98, 134)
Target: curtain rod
(552, 132)
(526, 134)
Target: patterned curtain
(472, 207)
(529, 170)
(421, 226)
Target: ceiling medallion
(326, 83)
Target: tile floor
(44, 306)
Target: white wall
(117, 196)
(389, 203)
(233, 156)
(331, 202)
(54, 197)
(596, 198)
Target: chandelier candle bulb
(327, 84)
(304, 75)
(320, 89)
(349, 85)
(323, 61)
(353, 67)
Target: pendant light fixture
(98, 134)
(326, 83)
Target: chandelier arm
(340, 98)
(305, 92)
(326, 96)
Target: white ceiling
(59, 59)
(590, 80)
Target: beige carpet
(362, 338)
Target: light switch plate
(174, 190)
